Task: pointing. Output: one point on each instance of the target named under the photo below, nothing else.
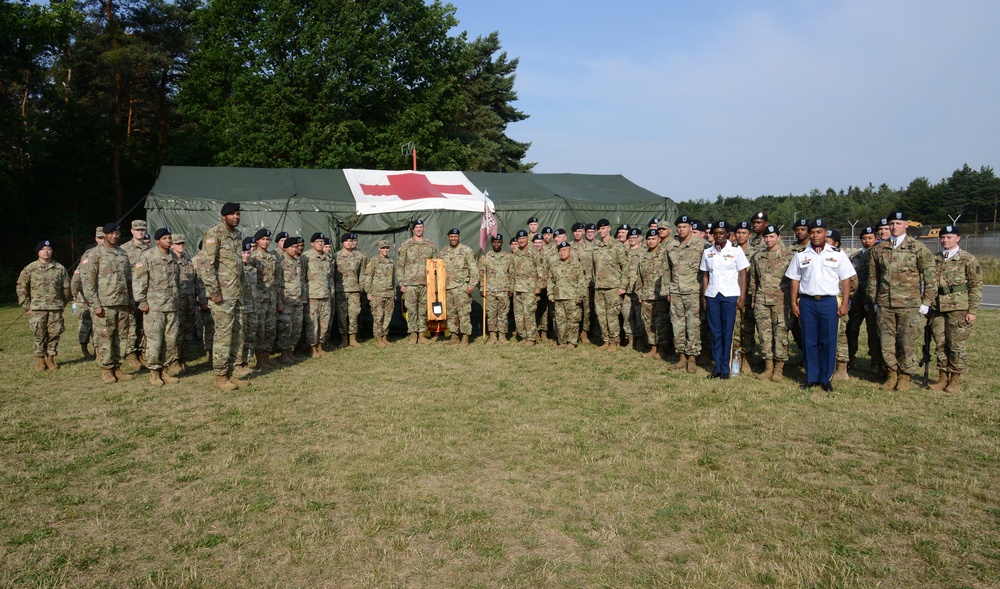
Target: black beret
(803, 222)
(603, 223)
(418, 222)
(761, 215)
(621, 228)
(590, 226)
(950, 230)
(497, 237)
(869, 230)
(743, 225)
(290, 241)
(513, 240)
(883, 222)
(344, 237)
(522, 233)
(561, 245)
(533, 220)
(546, 230)
(262, 233)
(354, 235)
(818, 224)
(248, 243)
(316, 236)
(41, 244)
(230, 207)
(653, 221)
(633, 231)
(682, 219)
(327, 241)
(833, 233)
(161, 232)
(454, 231)
(652, 233)
(722, 225)
(898, 216)
(538, 237)
(577, 226)
(770, 230)
(559, 232)
(110, 228)
(280, 235)
(696, 225)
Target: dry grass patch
(493, 467)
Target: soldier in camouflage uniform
(107, 286)
(293, 289)
(898, 271)
(567, 292)
(133, 338)
(767, 291)
(380, 286)
(528, 276)
(744, 335)
(651, 284)
(862, 309)
(758, 222)
(43, 290)
(801, 229)
(843, 352)
(610, 275)
(188, 304)
(411, 271)
(80, 308)
(581, 250)
(156, 286)
(221, 269)
(461, 275)
(347, 282)
(496, 289)
(268, 298)
(319, 276)
(684, 258)
(247, 344)
(958, 281)
(541, 325)
(632, 327)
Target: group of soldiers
(149, 301)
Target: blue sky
(694, 99)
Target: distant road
(991, 297)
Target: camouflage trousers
(416, 307)
(267, 324)
(861, 313)
(46, 327)
(133, 340)
(900, 329)
(588, 303)
(319, 321)
(459, 311)
(109, 330)
(744, 338)
(289, 326)
(524, 314)
(228, 321)
(772, 326)
(685, 317)
(349, 309)
(843, 354)
(186, 317)
(247, 345)
(654, 322)
(206, 329)
(381, 315)
(951, 331)
(630, 314)
(543, 312)
(567, 316)
(86, 323)
(497, 306)
(607, 306)
(162, 329)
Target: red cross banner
(380, 191)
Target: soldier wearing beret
(528, 276)
(651, 284)
(744, 338)
(294, 293)
(958, 286)
(723, 282)
(268, 298)
(685, 293)
(631, 314)
(566, 287)
(411, 272)
(319, 268)
(221, 269)
(107, 287)
(863, 309)
(899, 270)
(757, 223)
(80, 308)
(461, 276)
(533, 226)
(610, 276)
(156, 286)
(347, 282)
(43, 290)
(767, 291)
(581, 247)
(247, 345)
(380, 286)
(843, 352)
(496, 288)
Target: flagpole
(485, 271)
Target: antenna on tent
(410, 149)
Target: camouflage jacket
(348, 270)
(250, 287)
(188, 277)
(319, 274)
(632, 270)
(958, 283)
(895, 275)
(859, 260)
(106, 277)
(43, 287)
(134, 250)
(610, 264)
(766, 281)
(267, 275)
(221, 264)
(652, 275)
(156, 281)
(566, 280)
(293, 280)
(460, 266)
(378, 278)
(76, 287)
(685, 260)
(411, 261)
(496, 267)
(527, 271)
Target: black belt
(818, 297)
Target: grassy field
(493, 467)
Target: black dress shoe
(724, 376)
(827, 387)
(807, 385)
(715, 375)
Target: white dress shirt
(820, 274)
(723, 267)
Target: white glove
(924, 309)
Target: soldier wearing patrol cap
(496, 288)
(156, 287)
(820, 277)
(43, 290)
(319, 268)
(133, 336)
(685, 293)
(81, 309)
(863, 309)
(767, 291)
(380, 286)
(107, 286)
(221, 269)
(350, 266)
(411, 272)
(899, 270)
(958, 286)
(188, 303)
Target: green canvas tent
(188, 200)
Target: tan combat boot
(745, 365)
(242, 371)
(779, 371)
(653, 352)
(108, 376)
(168, 378)
(133, 361)
(120, 375)
(40, 364)
(768, 370)
(222, 383)
(584, 338)
(692, 364)
(841, 373)
(314, 351)
(527, 343)
(502, 338)
(352, 340)
(174, 368)
(942, 381)
(903, 382)
(954, 383)
(452, 340)
(890, 380)
(237, 381)
(154, 378)
(681, 364)
(463, 339)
